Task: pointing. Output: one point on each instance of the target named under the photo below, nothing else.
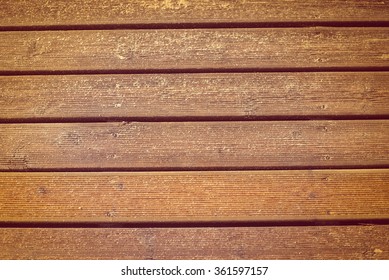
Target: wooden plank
(194, 96)
(329, 242)
(191, 145)
(146, 12)
(195, 196)
(194, 49)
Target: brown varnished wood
(194, 145)
(145, 12)
(194, 49)
(108, 88)
(329, 242)
(251, 196)
(194, 96)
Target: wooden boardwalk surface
(194, 130)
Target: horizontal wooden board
(191, 145)
(330, 242)
(146, 12)
(194, 49)
(195, 196)
(194, 96)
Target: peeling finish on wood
(144, 12)
(221, 49)
(194, 196)
(346, 242)
(194, 95)
(190, 145)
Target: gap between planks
(206, 25)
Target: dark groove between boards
(36, 120)
(193, 71)
(204, 25)
(221, 224)
(176, 169)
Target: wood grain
(198, 85)
(146, 12)
(191, 145)
(194, 96)
(194, 49)
(195, 196)
(346, 242)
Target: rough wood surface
(110, 87)
(194, 49)
(194, 96)
(195, 196)
(191, 145)
(145, 12)
(330, 242)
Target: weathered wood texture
(194, 49)
(194, 96)
(144, 12)
(227, 85)
(195, 196)
(190, 145)
(347, 242)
